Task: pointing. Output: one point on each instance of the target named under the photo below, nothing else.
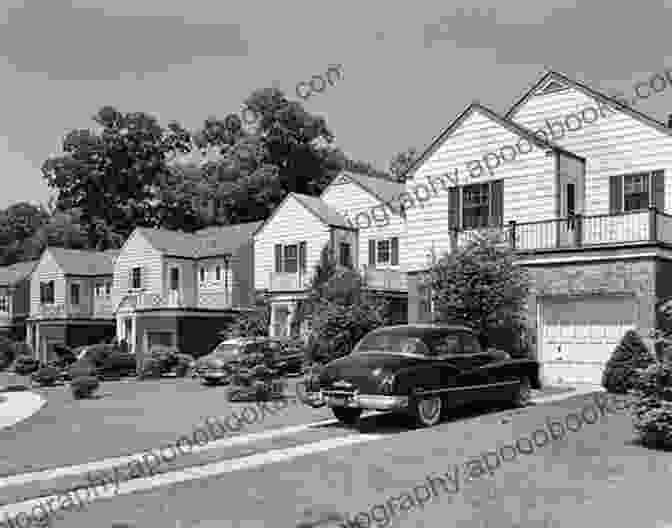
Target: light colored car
(216, 367)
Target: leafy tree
(19, 223)
(253, 323)
(112, 173)
(481, 285)
(401, 163)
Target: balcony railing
(103, 308)
(299, 281)
(155, 300)
(220, 299)
(52, 311)
(584, 231)
(385, 279)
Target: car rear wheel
(523, 393)
(346, 415)
(427, 411)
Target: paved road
(274, 482)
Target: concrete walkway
(17, 406)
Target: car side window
(447, 345)
(470, 344)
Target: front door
(567, 226)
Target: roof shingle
(10, 275)
(83, 262)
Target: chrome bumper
(377, 402)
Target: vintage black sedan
(422, 370)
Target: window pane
(383, 251)
(291, 258)
(635, 192)
(476, 206)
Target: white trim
(590, 259)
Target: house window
(218, 273)
(99, 290)
(201, 276)
(108, 289)
(476, 206)
(291, 258)
(47, 292)
(345, 255)
(384, 252)
(74, 294)
(635, 192)
(4, 304)
(174, 279)
(135, 278)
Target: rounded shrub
(652, 406)
(84, 386)
(47, 376)
(630, 356)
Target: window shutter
(615, 194)
(497, 203)
(303, 248)
(395, 251)
(372, 252)
(658, 187)
(278, 258)
(454, 208)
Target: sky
(408, 68)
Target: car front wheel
(346, 415)
(427, 411)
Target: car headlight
(387, 384)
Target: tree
(111, 174)
(620, 372)
(402, 162)
(19, 223)
(254, 323)
(481, 285)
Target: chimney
(669, 120)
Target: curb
(19, 406)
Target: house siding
(615, 143)
(367, 213)
(47, 270)
(242, 266)
(529, 183)
(137, 252)
(292, 224)
(188, 289)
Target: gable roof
(476, 106)
(324, 212)
(550, 76)
(208, 242)
(83, 262)
(384, 189)
(10, 275)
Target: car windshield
(227, 350)
(392, 343)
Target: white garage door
(579, 335)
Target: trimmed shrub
(652, 406)
(630, 356)
(84, 386)
(47, 376)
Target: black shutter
(658, 188)
(497, 203)
(372, 252)
(278, 258)
(42, 293)
(395, 251)
(302, 255)
(454, 208)
(615, 194)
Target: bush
(6, 353)
(652, 406)
(22, 349)
(84, 386)
(183, 364)
(628, 357)
(48, 375)
(26, 365)
(151, 368)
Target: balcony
(214, 300)
(51, 311)
(299, 281)
(590, 231)
(385, 279)
(146, 301)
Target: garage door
(579, 335)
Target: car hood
(213, 362)
(366, 371)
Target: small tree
(629, 356)
(253, 323)
(481, 285)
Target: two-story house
(290, 242)
(588, 211)
(15, 299)
(70, 300)
(181, 289)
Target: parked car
(421, 370)
(289, 357)
(218, 365)
(102, 361)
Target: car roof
(419, 329)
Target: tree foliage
(402, 162)
(630, 355)
(254, 323)
(481, 285)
